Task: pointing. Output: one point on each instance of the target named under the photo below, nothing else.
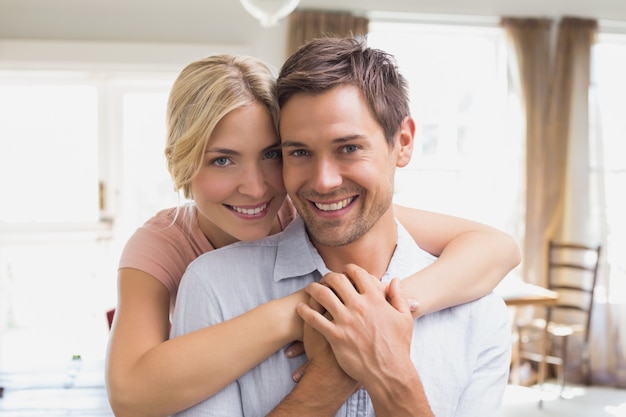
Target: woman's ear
(406, 136)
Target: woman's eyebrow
(276, 145)
(224, 151)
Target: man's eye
(221, 162)
(350, 148)
(298, 153)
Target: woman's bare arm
(473, 259)
(149, 375)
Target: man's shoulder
(471, 325)
(487, 311)
(243, 252)
(486, 317)
(408, 257)
(238, 250)
(488, 304)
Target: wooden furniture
(519, 294)
(522, 294)
(572, 271)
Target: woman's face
(239, 188)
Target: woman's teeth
(250, 212)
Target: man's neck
(372, 252)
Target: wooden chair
(572, 272)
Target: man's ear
(406, 136)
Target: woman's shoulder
(170, 216)
(165, 244)
(176, 228)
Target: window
(81, 167)
(468, 156)
(82, 164)
(49, 158)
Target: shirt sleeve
(485, 390)
(197, 308)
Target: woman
(223, 152)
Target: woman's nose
(253, 182)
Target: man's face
(337, 166)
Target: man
(345, 127)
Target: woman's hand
(293, 350)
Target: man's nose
(325, 176)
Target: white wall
(224, 22)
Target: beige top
(167, 243)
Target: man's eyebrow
(292, 144)
(344, 139)
(348, 138)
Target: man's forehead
(336, 114)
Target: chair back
(573, 273)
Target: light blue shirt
(462, 354)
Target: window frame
(114, 68)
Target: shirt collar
(296, 254)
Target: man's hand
(320, 355)
(369, 327)
(323, 386)
(371, 323)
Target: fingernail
(414, 305)
(290, 353)
(297, 376)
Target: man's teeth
(333, 206)
(250, 212)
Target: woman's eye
(221, 162)
(274, 154)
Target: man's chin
(330, 236)
(327, 243)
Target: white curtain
(567, 179)
(608, 173)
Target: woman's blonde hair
(203, 93)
